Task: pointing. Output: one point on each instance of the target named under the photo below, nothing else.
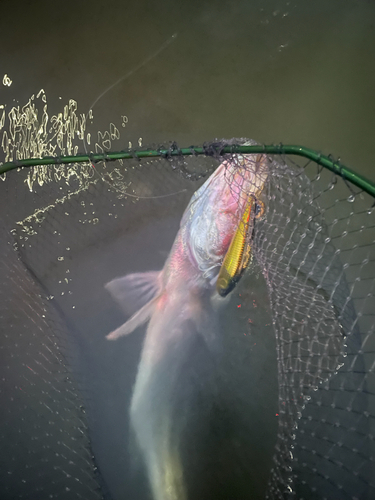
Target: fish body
(177, 302)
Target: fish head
(215, 211)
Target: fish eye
(259, 209)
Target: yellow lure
(238, 254)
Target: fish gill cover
(69, 229)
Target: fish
(210, 252)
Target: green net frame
(209, 149)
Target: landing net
(313, 249)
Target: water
(275, 71)
(292, 72)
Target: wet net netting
(313, 248)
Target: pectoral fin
(138, 319)
(133, 291)
(136, 294)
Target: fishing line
(134, 70)
(121, 79)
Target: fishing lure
(239, 255)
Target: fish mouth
(239, 253)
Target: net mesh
(313, 248)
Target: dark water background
(293, 72)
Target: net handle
(211, 150)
